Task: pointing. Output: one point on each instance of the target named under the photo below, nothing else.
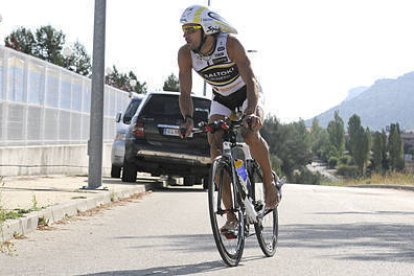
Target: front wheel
(221, 201)
(267, 227)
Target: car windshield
(169, 105)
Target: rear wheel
(115, 171)
(267, 227)
(129, 172)
(230, 244)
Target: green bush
(345, 160)
(304, 176)
(276, 164)
(332, 162)
(348, 171)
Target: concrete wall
(49, 160)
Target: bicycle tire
(267, 227)
(229, 244)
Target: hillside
(386, 101)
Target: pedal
(259, 206)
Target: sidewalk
(53, 198)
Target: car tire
(205, 183)
(129, 172)
(189, 180)
(115, 171)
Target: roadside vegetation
(355, 154)
(18, 212)
(398, 179)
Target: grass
(400, 179)
(18, 212)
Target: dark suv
(153, 142)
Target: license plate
(172, 131)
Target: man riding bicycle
(221, 60)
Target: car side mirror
(118, 117)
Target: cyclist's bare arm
(238, 54)
(186, 82)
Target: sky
(308, 54)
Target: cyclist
(221, 60)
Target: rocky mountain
(386, 101)
(354, 92)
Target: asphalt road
(323, 231)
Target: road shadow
(138, 182)
(203, 267)
(179, 189)
(391, 242)
(186, 243)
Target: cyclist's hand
(186, 128)
(252, 121)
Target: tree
(49, 44)
(296, 150)
(21, 40)
(79, 61)
(395, 148)
(290, 143)
(379, 152)
(359, 143)
(123, 81)
(171, 84)
(319, 141)
(272, 134)
(140, 88)
(336, 134)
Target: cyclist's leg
(267, 226)
(218, 112)
(260, 152)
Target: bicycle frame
(243, 198)
(229, 143)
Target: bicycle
(247, 202)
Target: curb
(52, 214)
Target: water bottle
(242, 173)
(251, 214)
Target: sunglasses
(189, 29)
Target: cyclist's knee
(250, 137)
(215, 141)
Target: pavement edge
(52, 214)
